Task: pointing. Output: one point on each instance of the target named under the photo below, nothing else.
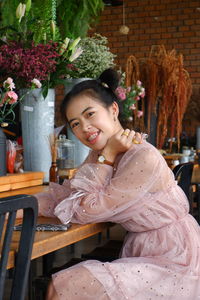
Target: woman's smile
(93, 137)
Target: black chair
(8, 210)
(183, 174)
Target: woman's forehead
(79, 103)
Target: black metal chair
(183, 174)
(8, 210)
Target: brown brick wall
(174, 23)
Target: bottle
(53, 173)
(65, 157)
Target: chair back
(183, 174)
(8, 211)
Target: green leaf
(45, 89)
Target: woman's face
(91, 122)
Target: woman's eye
(90, 113)
(74, 125)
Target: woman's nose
(85, 126)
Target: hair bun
(111, 78)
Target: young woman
(127, 182)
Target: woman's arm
(47, 201)
(98, 195)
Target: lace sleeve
(47, 201)
(98, 195)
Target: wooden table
(47, 242)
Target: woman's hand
(120, 143)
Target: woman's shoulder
(145, 148)
(142, 152)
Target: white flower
(142, 90)
(96, 57)
(76, 54)
(20, 11)
(8, 83)
(36, 83)
(64, 45)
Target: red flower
(24, 64)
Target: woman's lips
(93, 138)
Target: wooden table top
(48, 241)
(28, 190)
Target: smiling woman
(129, 183)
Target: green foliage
(74, 17)
(96, 57)
(6, 13)
(40, 23)
(35, 25)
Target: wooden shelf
(20, 180)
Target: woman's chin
(97, 147)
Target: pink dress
(161, 253)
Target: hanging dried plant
(168, 90)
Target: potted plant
(47, 60)
(25, 51)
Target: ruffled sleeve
(47, 201)
(98, 195)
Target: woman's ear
(115, 109)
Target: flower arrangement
(129, 96)
(9, 99)
(27, 51)
(49, 62)
(96, 57)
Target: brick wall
(174, 23)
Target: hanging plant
(76, 16)
(168, 91)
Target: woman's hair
(102, 89)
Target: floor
(66, 254)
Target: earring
(114, 119)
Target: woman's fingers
(125, 133)
(128, 135)
(138, 138)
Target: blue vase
(37, 117)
